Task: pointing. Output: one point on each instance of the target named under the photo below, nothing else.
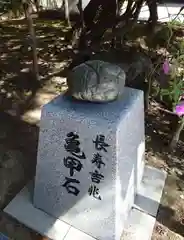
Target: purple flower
(166, 67)
(179, 109)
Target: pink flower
(179, 110)
(166, 67)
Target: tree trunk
(67, 14)
(37, 5)
(129, 8)
(152, 4)
(176, 135)
(28, 10)
(81, 14)
(100, 15)
(114, 39)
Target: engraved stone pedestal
(88, 160)
(89, 169)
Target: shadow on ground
(18, 147)
(159, 126)
(18, 85)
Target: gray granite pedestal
(89, 172)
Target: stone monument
(90, 159)
(88, 155)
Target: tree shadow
(18, 144)
(171, 211)
(165, 216)
(159, 129)
(18, 84)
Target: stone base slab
(139, 225)
(150, 192)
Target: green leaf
(164, 92)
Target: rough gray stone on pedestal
(96, 81)
(120, 125)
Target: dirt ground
(21, 99)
